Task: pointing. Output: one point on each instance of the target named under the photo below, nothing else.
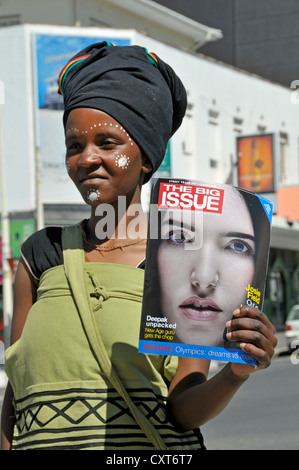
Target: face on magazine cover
(215, 254)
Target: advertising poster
(256, 163)
(19, 230)
(207, 254)
(52, 53)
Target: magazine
(207, 254)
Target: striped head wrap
(66, 69)
(133, 86)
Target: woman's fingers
(254, 333)
(251, 312)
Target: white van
(292, 326)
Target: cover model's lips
(200, 309)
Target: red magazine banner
(185, 196)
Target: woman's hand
(256, 336)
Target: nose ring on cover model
(214, 284)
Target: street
(264, 415)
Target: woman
(76, 379)
(217, 253)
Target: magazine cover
(207, 254)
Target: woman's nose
(205, 267)
(203, 281)
(89, 157)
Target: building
(146, 16)
(260, 37)
(225, 105)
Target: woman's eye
(107, 143)
(240, 246)
(73, 146)
(179, 237)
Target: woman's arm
(24, 297)
(25, 288)
(7, 420)
(194, 400)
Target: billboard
(52, 52)
(256, 167)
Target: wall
(17, 118)
(223, 103)
(237, 103)
(259, 36)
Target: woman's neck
(116, 223)
(116, 234)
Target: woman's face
(101, 158)
(204, 269)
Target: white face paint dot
(122, 161)
(93, 195)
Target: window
(238, 125)
(261, 128)
(188, 143)
(214, 138)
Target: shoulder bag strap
(73, 254)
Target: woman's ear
(146, 165)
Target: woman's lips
(200, 309)
(89, 180)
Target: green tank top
(62, 397)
